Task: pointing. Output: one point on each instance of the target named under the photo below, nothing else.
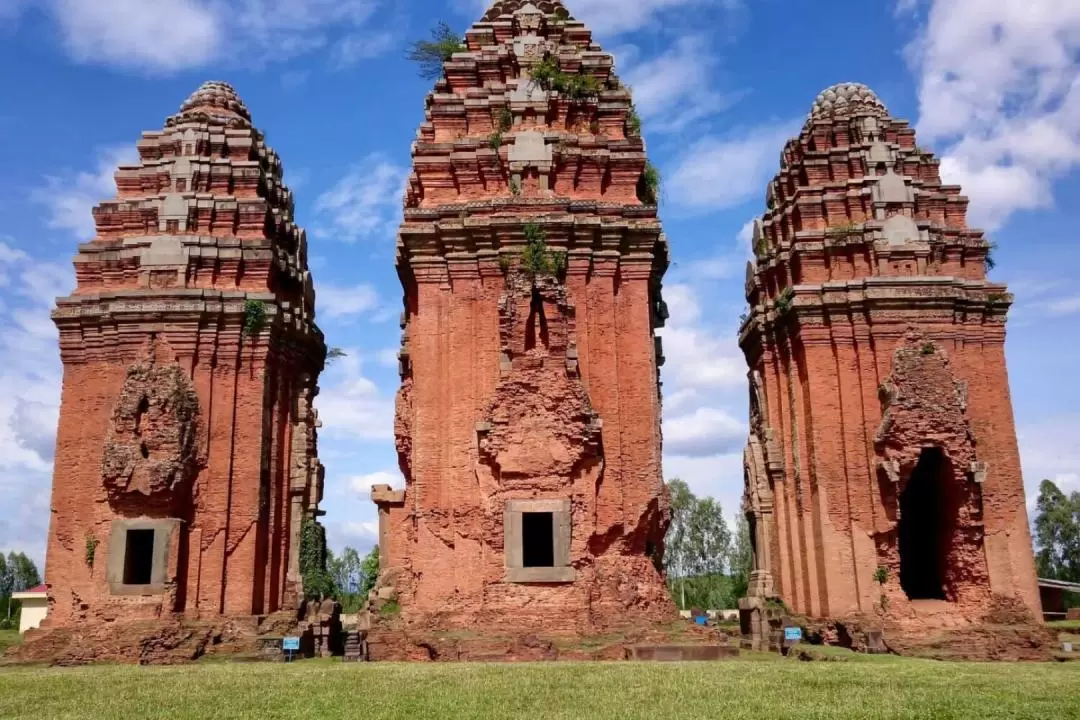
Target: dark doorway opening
(921, 532)
(139, 557)
(536, 317)
(538, 539)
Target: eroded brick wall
(486, 417)
(190, 361)
(873, 334)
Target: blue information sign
(291, 644)
(792, 634)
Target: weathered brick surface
(514, 390)
(171, 409)
(873, 334)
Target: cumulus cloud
(174, 35)
(716, 173)
(362, 484)
(365, 204)
(30, 378)
(1049, 451)
(164, 34)
(999, 91)
(351, 405)
(337, 302)
(675, 88)
(70, 197)
(704, 432)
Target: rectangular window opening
(139, 557)
(538, 539)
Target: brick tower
(882, 472)
(186, 451)
(528, 420)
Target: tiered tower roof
(858, 217)
(500, 147)
(204, 219)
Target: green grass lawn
(752, 689)
(9, 638)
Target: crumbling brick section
(528, 420)
(186, 456)
(151, 447)
(882, 471)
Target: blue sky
(993, 87)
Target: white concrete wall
(35, 607)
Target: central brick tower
(882, 473)
(528, 420)
(186, 453)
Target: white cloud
(1064, 306)
(906, 7)
(174, 35)
(336, 302)
(163, 35)
(704, 432)
(351, 49)
(674, 89)
(999, 90)
(718, 476)
(699, 357)
(716, 173)
(71, 196)
(351, 405)
(728, 262)
(362, 484)
(1049, 451)
(30, 378)
(365, 204)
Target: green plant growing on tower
(577, 87)
(503, 122)
(785, 301)
(254, 318)
(317, 582)
(335, 353)
(536, 259)
(648, 189)
(431, 54)
(633, 123)
(91, 550)
(991, 263)
(881, 576)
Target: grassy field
(9, 638)
(753, 689)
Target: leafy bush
(573, 86)
(254, 318)
(431, 54)
(536, 258)
(317, 581)
(633, 123)
(784, 301)
(503, 122)
(648, 189)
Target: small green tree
(536, 259)
(1057, 533)
(742, 559)
(648, 189)
(347, 577)
(313, 561)
(369, 569)
(431, 54)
